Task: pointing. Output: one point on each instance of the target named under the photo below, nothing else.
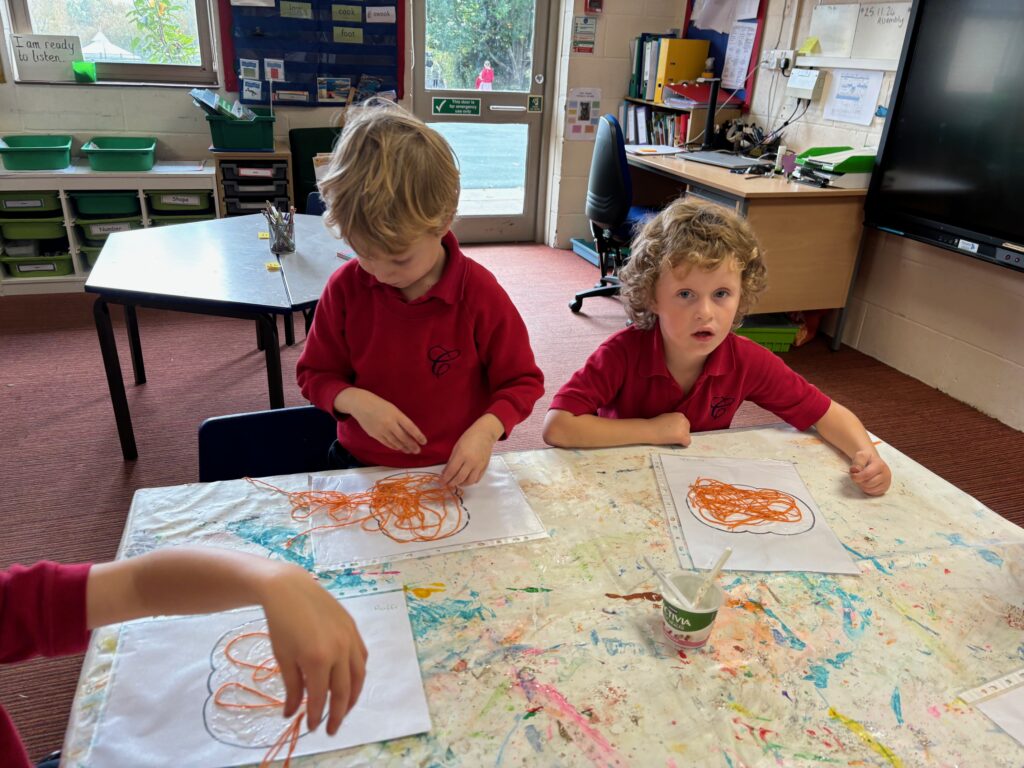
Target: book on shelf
(679, 60)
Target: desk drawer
(254, 170)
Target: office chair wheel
(576, 305)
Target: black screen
(953, 151)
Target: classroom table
(550, 652)
(217, 267)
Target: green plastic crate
(120, 153)
(33, 229)
(180, 200)
(29, 202)
(774, 332)
(247, 135)
(37, 152)
(163, 221)
(90, 253)
(100, 229)
(49, 265)
(109, 203)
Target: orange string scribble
(261, 673)
(414, 506)
(731, 506)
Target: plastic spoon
(710, 578)
(669, 587)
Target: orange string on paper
(261, 673)
(732, 506)
(412, 506)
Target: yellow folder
(679, 60)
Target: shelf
(840, 62)
(20, 286)
(697, 107)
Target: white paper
(582, 113)
(737, 54)
(46, 57)
(256, 3)
(835, 26)
(494, 511)
(381, 15)
(160, 709)
(881, 28)
(652, 149)
(746, 9)
(805, 544)
(714, 14)
(1007, 711)
(853, 95)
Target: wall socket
(774, 58)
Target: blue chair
(613, 217)
(315, 204)
(283, 441)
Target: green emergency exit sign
(445, 106)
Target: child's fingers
(292, 678)
(403, 441)
(412, 430)
(341, 696)
(316, 687)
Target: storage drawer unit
(241, 170)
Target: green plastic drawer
(163, 221)
(100, 229)
(29, 202)
(112, 203)
(35, 152)
(120, 153)
(180, 200)
(33, 229)
(774, 332)
(89, 254)
(50, 265)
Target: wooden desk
(810, 236)
(551, 652)
(216, 267)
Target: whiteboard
(881, 28)
(834, 26)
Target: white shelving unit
(79, 177)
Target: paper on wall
(852, 95)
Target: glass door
(480, 80)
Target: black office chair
(283, 441)
(315, 204)
(612, 215)
(304, 143)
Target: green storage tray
(120, 153)
(29, 202)
(179, 200)
(163, 221)
(50, 265)
(115, 203)
(100, 229)
(33, 229)
(36, 152)
(228, 134)
(90, 253)
(774, 332)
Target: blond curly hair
(391, 178)
(690, 232)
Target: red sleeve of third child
(594, 386)
(42, 610)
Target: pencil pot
(282, 236)
(688, 628)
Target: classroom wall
(608, 68)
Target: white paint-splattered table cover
(550, 652)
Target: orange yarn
(262, 672)
(731, 506)
(412, 506)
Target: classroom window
(158, 41)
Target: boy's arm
(562, 429)
(324, 368)
(315, 641)
(840, 427)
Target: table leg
(289, 330)
(259, 337)
(837, 336)
(271, 348)
(115, 379)
(308, 315)
(131, 321)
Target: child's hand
(472, 453)
(381, 420)
(870, 472)
(316, 644)
(670, 429)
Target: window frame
(110, 73)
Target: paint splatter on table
(551, 652)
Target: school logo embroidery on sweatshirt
(441, 359)
(720, 405)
